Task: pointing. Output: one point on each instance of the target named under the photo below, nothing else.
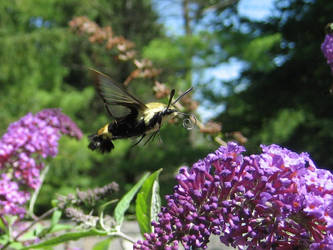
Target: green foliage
(163, 51)
(175, 54)
(31, 67)
(281, 128)
(123, 204)
(148, 202)
(66, 237)
(258, 51)
(89, 224)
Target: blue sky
(170, 11)
(256, 9)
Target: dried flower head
(277, 199)
(92, 195)
(211, 127)
(105, 35)
(78, 216)
(161, 90)
(88, 197)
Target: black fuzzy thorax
(132, 127)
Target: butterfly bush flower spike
(22, 150)
(275, 200)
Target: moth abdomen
(100, 143)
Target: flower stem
(35, 194)
(121, 235)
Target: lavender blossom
(22, 150)
(277, 199)
(11, 198)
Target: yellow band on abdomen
(104, 130)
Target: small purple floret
(327, 49)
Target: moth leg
(160, 141)
(143, 136)
(151, 137)
(159, 128)
(159, 121)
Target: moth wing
(118, 101)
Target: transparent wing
(118, 101)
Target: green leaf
(4, 239)
(3, 226)
(66, 237)
(281, 127)
(148, 202)
(38, 228)
(125, 201)
(55, 218)
(15, 245)
(102, 245)
(31, 234)
(54, 203)
(61, 227)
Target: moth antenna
(171, 96)
(182, 95)
(187, 114)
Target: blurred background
(256, 67)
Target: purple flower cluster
(11, 197)
(22, 149)
(275, 200)
(327, 48)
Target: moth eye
(188, 124)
